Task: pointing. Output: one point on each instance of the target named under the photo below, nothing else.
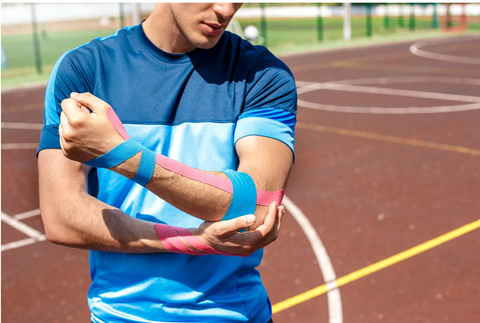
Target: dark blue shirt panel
(146, 85)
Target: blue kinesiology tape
(244, 198)
(117, 155)
(146, 167)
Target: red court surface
(387, 158)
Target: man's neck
(162, 30)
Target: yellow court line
(398, 140)
(317, 291)
(26, 107)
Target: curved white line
(415, 50)
(380, 110)
(334, 299)
(352, 85)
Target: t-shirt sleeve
(68, 75)
(270, 103)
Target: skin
(74, 218)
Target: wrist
(129, 167)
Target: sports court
(387, 158)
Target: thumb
(89, 100)
(229, 227)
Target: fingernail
(73, 94)
(251, 218)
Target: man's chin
(207, 42)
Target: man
(187, 91)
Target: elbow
(55, 231)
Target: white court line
(334, 299)
(22, 227)
(22, 126)
(350, 85)
(408, 79)
(26, 215)
(382, 110)
(415, 50)
(386, 91)
(18, 244)
(13, 146)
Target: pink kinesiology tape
(171, 237)
(263, 197)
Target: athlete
(164, 151)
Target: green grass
(20, 53)
(302, 31)
(283, 36)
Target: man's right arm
(74, 218)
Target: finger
(60, 134)
(229, 227)
(273, 235)
(85, 109)
(91, 101)
(63, 120)
(71, 109)
(269, 222)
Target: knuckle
(66, 134)
(65, 102)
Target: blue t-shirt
(191, 107)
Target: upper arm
(264, 134)
(61, 181)
(268, 161)
(60, 177)
(73, 72)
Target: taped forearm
(149, 158)
(245, 196)
(181, 240)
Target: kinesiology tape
(174, 238)
(130, 147)
(245, 196)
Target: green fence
(287, 32)
(279, 35)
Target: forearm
(73, 218)
(206, 195)
(87, 223)
(193, 197)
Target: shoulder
(91, 52)
(84, 62)
(253, 57)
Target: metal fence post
(386, 19)
(411, 24)
(435, 17)
(36, 42)
(369, 19)
(319, 22)
(347, 21)
(263, 24)
(400, 15)
(122, 15)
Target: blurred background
(35, 35)
(387, 152)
